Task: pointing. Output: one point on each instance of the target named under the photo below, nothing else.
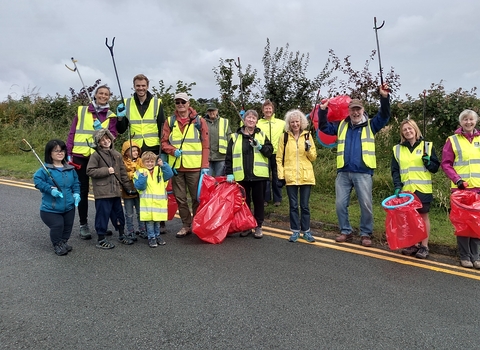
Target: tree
(167, 94)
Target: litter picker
(378, 48)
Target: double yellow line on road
(345, 247)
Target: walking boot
(85, 232)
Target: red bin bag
(404, 226)
(465, 213)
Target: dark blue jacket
(66, 178)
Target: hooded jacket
(131, 165)
(66, 178)
(104, 184)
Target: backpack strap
(285, 140)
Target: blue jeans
(301, 222)
(130, 204)
(217, 168)
(362, 183)
(153, 229)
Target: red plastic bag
(338, 108)
(206, 187)
(325, 140)
(172, 206)
(404, 225)
(243, 218)
(465, 213)
(212, 220)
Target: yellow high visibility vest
(413, 174)
(191, 157)
(153, 200)
(260, 162)
(144, 130)
(368, 145)
(273, 128)
(223, 135)
(467, 159)
(84, 131)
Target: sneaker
(132, 236)
(67, 246)
(344, 238)
(104, 244)
(183, 232)
(142, 234)
(410, 250)
(258, 233)
(294, 236)
(245, 233)
(160, 241)
(307, 235)
(466, 263)
(366, 241)
(476, 264)
(152, 243)
(85, 232)
(60, 249)
(422, 252)
(125, 240)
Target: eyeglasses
(58, 151)
(180, 102)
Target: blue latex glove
(121, 112)
(69, 159)
(56, 193)
(255, 144)
(97, 125)
(204, 171)
(397, 192)
(76, 198)
(178, 153)
(230, 178)
(242, 114)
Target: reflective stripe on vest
(153, 200)
(84, 131)
(191, 157)
(367, 141)
(467, 159)
(222, 135)
(144, 130)
(413, 174)
(260, 162)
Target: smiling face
(141, 87)
(181, 106)
(468, 123)
(149, 163)
(250, 120)
(409, 133)
(105, 142)
(267, 111)
(356, 114)
(295, 124)
(102, 96)
(57, 155)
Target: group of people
(262, 155)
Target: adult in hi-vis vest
(185, 140)
(356, 162)
(247, 163)
(89, 118)
(219, 133)
(461, 164)
(413, 162)
(144, 114)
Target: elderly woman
(461, 164)
(294, 163)
(413, 162)
(247, 163)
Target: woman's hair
(296, 113)
(50, 146)
(268, 103)
(104, 86)
(467, 113)
(413, 125)
(251, 111)
(148, 155)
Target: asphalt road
(241, 294)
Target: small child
(132, 161)
(107, 170)
(151, 183)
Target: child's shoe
(160, 241)
(152, 242)
(132, 236)
(125, 240)
(104, 244)
(142, 234)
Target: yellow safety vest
(273, 128)
(153, 200)
(191, 157)
(144, 130)
(467, 159)
(223, 135)
(413, 174)
(84, 131)
(260, 162)
(368, 145)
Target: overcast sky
(425, 41)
